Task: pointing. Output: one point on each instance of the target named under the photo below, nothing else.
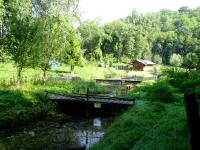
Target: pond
(57, 136)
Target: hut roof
(145, 62)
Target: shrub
(161, 91)
(182, 80)
(157, 59)
(176, 60)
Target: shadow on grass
(19, 108)
(60, 71)
(13, 97)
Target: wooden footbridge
(91, 104)
(119, 81)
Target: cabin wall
(149, 68)
(138, 66)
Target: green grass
(160, 91)
(148, 126)
(88, 72)
(23, 107)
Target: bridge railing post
(192, 111)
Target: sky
(109, 10)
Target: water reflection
(97, 122)
(88, 138)
(77, 133)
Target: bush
(182, 80)
(176, 60)
(161, 91)
(157, 59)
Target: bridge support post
(87, 103)
(192, 110)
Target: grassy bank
(158, 121)
(148, 126)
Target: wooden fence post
(192, 110)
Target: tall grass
(160, 91)
(148, 126)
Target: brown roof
(145, 62)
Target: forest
(166, 37)
(35, 35)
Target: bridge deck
(93, 99)
(119, 80)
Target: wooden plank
(119, 80)
(95, 99)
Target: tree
(71, 52)
(157, 59)
(1, 16)
(98, 55)
(1, 30)
(176, 60)
(124, 39)
(92, 36)
(3, 56)
(21, 29)
(53, 17)
(49, 42)
(191, 60)
(164, 44)
(167, 20)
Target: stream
(70, 134)
(75, 133)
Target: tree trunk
(44, 75)
(72, 68)
(19, 76)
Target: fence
(121, 67)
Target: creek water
(57, 136)
(71, 133)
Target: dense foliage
(155, 36)
(161, 91)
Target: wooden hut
(143, 65)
